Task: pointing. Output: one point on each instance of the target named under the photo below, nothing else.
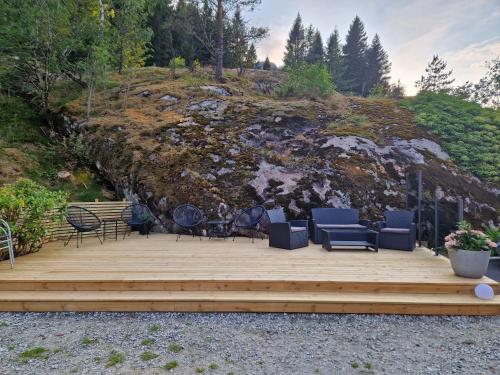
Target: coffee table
(350, 237)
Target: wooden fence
(103, 210)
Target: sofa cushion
(394, 230)
(298, 229)
(340, 226)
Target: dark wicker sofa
(334, 218)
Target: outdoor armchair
(83, 221)
(137, 215)
(398, 231)
(249, 219)
(335, 218)
(292, 234)
(188, 218)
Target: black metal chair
(248, 218)
(398, 231)
(292, 234)
(188, 217)
(83, 221)
(137, 215)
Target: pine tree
(437, 79)
(251, 57)
(316, 53)
(309, 40)
(334, 60)
(355, 58)
(378, 68)
(295, 46)
(161, 41)
(267, 64)
(237, 43)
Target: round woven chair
(137, 215)
(188, 218)
(249, 218)
(83, 221)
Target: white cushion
(394, 230)
(298, 229)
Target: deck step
(227, 301)
(240, 285)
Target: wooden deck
(159, 274)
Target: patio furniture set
(330, 227)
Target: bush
(27, 207)
(311, 80)
(469, 133)
(177, 62)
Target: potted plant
(493, 233)
(469, 251)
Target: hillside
(169, 141)
(28, 149)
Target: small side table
(214, 228)
(106, 221)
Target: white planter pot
(468, 263)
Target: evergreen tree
(295, 45)
(251, 57)
(436, 78)
(316, 53)
(378, 68)
(309, 40)
(161, 42)
(355, 58)
(267, 64)
(334, 60)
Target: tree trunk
(219, 50)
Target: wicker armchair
(398, 231)
(249, 219)
(137, 215)
(6, 241)
(188, 218)
(83, 221)
(292, 234)
(335, 218)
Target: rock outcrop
(205, 145)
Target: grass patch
(57, 350)
(170, 365)
(354, 364)
(35, 353)
(148, 356)
(3, 324)
(147, 342)
(97, 360)
(175, 348)
(200, 370)
(368, 365)
(213, 366)
(87, 341)
(155, 328)
(115, 358)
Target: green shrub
(177, 62)
(469, 133)
(27, 206)
(309, 80)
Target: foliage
(396, 90)
(170, 365)
(466, 238)
(437, 79)
(310, 80)
(487, 91)
(177, 62)
(469, 133)
(27, 206)
(316, 53)
(115, 358)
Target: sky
(466, 33)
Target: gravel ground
(115, 343)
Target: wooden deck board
(160, 274)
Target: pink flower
(491, 244)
